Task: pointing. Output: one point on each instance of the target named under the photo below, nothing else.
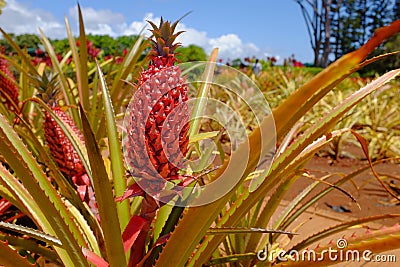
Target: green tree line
(107, 44)
(336, 27)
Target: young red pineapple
(66, 157)
(61, 149)
(157, 130)
(8, 86)
(161, 91)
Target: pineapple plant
(161, 91)
(155, 234)
(9, 91)
(61, 149)
(154, 128)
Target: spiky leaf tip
(163, 41)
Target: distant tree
(336, 27)
(125, 42)
(2, 5)
(109, 45)
(378, 17)
(191, 53)
(104, 42)
(378, 14)
(61, 46)
(360, 20)
(237, 62)
(4, 44)
(362, 9)
(396, 10)
(351, 26)
(28, 40)
(320, 16)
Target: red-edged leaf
(162, 240)
(94, 258)
(132, 231)
(364, 146)
(11, 257)
(133, 191)
(15, 217)
(4, 205)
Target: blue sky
(239, 28)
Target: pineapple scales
(157, 129)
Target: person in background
(257, 67)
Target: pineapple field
(142, 159)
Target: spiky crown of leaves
(164, 38)
(47, 87)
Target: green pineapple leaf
(10, 257)
(52, 212)
(82, 72)
(65, 88)
(33, 233)
(285, 117)
(114, 144)
(105, 199)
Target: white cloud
(99, 21)
(230, 46)
(139, 27)
(19, 18)
(193, 36)
(93, 16)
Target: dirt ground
(369, 194)
(365, 188)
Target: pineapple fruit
(9, 91)
(63, 152)
(157, 139)
(158, 114)
(61, 148)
